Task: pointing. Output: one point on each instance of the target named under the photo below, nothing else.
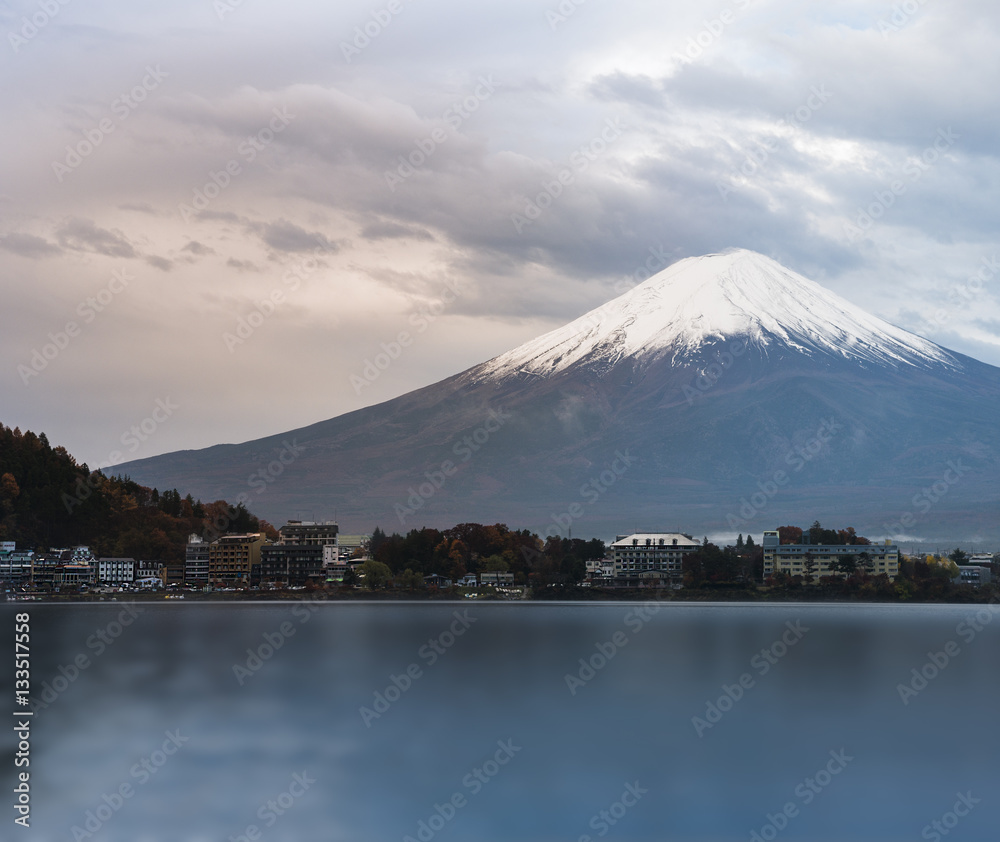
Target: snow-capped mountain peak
(738, 294)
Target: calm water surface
(479, 722)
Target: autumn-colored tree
(790, 534)
(9, 492)
(458, 554)
(847, 536)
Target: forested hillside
(48, 500)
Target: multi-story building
(196, 561)
(309, 532)
(43, 570)
(149, 573)
(335, 570)
(298, 566)
(974, 574)
(600, 568)
(173, 573)
(233, 559)
(817, 560)
(651, 552)
(15, 567)
(74, 575)
(116, 571)
(294, 564)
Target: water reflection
(255, 695)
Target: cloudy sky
(216, 214)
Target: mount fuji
(724, 394)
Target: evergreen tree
(377, 539)
(809, 569)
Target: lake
(529, 721)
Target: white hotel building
(651, 553)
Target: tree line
(478, 548)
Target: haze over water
(487, 715)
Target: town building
(196, 555)
(655, 579)
(639, 556)
(600, 568)
(16, 568)
(116, 571)
(74, 575)
(336, 571)
(146, 571)
(235, 559)
(817, 560)
(306, 551)
(43, 570)
(173, 574)
(309, 532)
(496, 578)
(293, 564)
(974, 574)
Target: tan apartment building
(795, 559)
(232, 558)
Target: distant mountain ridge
(714, 376)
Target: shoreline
(577, 596)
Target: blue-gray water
(499, 692)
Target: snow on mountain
(737, 293)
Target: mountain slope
(724, 394)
